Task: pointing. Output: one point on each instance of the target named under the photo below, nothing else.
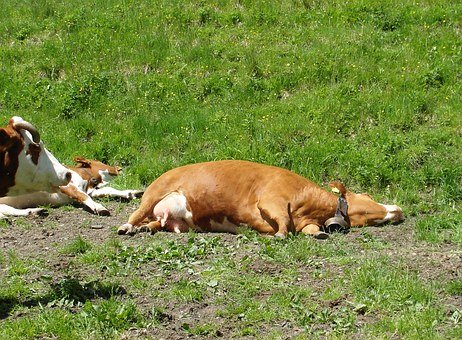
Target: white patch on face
(105, 178)
(226, 226)
(394, 214)
(78, 181)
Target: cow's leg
(75, 193)
(152, 227)
(142, 213)
(314, 230)
(6, 210)
(175, 226)
(277, 216)
(111, 192)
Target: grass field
(368, 92)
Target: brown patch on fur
(89, 170)
(205, 222)
(11, 145)
(34, 150)
(73, 192)
(95, 166)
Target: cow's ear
(82, 162)
(338, 188)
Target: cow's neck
(314, 206)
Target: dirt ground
(42, 237)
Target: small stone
(96, 226)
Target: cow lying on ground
(26, 166)
(89, 180)
(221, 196)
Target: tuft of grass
(16, 266)
(439, 228)
(170, 257)
(206, 329)
(110, 316)
(377, 283)
(77, 247)
(454, 287)
(187, 290)
(420, 324)
(106, 319)
(4, 223)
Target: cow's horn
(28, 127)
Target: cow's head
(25, 165)
(364, 211)
(101, 174)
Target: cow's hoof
(320, 235)
(137, 193)
(132, 194)
(104, 212)
(38, 212)
(280, 235)
(122, 230)
(146, 229)
(126, 229)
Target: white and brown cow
(26, 166)
(223, 195)
(89, 179)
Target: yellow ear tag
(335, 190)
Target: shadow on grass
(68, 288)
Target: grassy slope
(368, 92)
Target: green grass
(326, 293)
(78, 246)
(101, 320)
(440, 228)
(364, 91)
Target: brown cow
(223, 195)
(90, 179)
